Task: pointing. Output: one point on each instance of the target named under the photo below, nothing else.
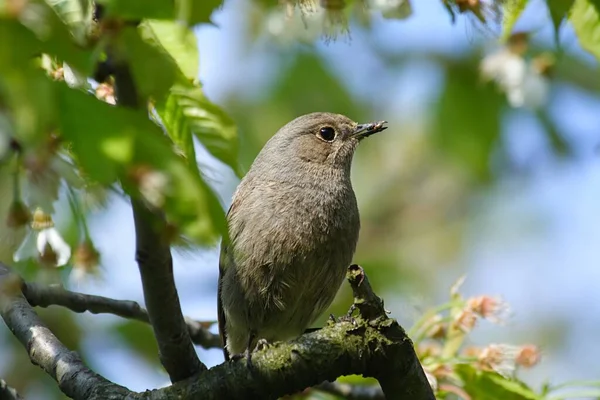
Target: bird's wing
(220, 312)
(223, 260)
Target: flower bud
(528, 356)
(465, 321)
(491, 308)
(18, 215)
(86, 257)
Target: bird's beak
(364, 130)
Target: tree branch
(44, 296)
(401, 374)
(153, 254)
(370, 344)
(74, 378)
(177, 353)
(338, 349)
(8, 393)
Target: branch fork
(372, 345)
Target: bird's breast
(302, 217)
(286, 234)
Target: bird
(293, 227)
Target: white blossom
(306, 23)
(292, 24)
(491, 308)
(73, 78)
(500, 358)
(50, 239)
(153, 186)
(27, 249)
(523, 84)
(44, 242)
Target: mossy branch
(370, 344)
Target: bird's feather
(220, 312)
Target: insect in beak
(365, 130)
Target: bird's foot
(344, 318)
(247, 354)
(236, 357)
(350, 311)
(261, 344)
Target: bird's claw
(345, 318)
(261, 344)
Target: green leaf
(47, 33)
(483, 385)
(468, 120)
(110, 143)
(511, 12)
(189, 11)
(15, 57)
(139, 9)
(195, 12)
(138, 336)
(357, 380)
(175, 123)
(177, 40)
(585, 17)
(558, 11)
(24, 88)
(153, 69)
(70, 11)
(101, 135)
(187, 111)
(77, 14)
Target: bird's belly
(294, 303)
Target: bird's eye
(327, 133)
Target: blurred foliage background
(489, 168)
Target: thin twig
(44, 296)
(74, 378)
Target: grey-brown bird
(293, 229)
